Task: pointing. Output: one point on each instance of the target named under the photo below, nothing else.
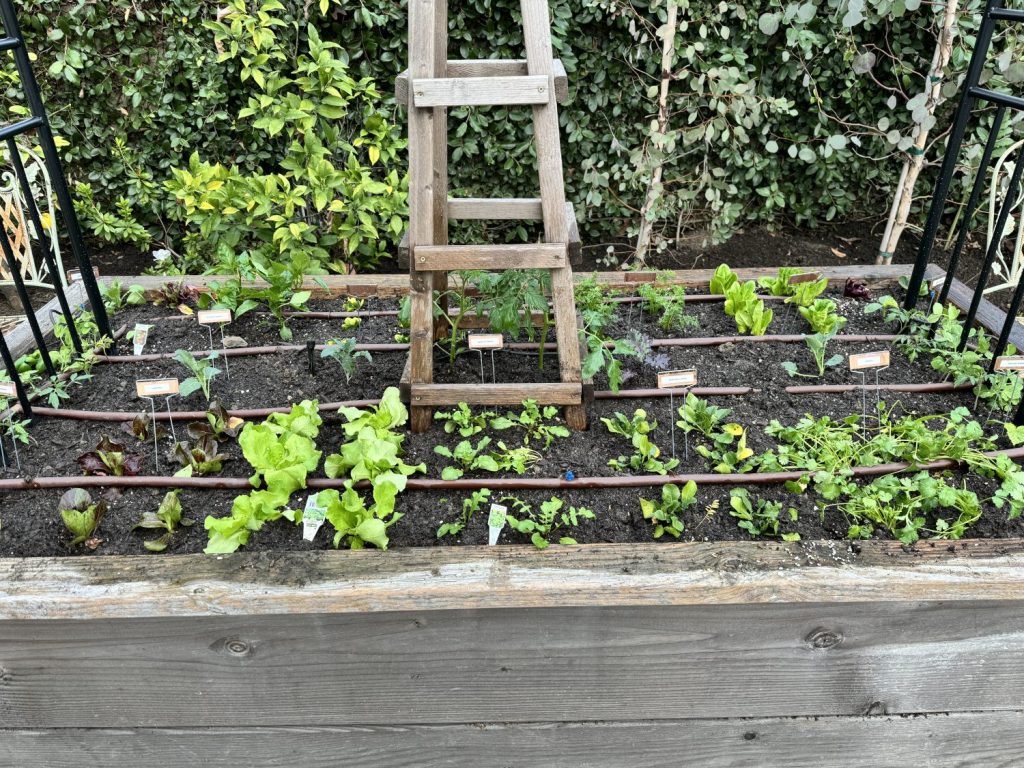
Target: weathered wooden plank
(20, 339)
(965, 740)
(519, 665)
(495, 394)
(390, 285)
(510, 208)
(488, 68)
(480, 91)
(733, 572)
(510, 256)
(574, 246)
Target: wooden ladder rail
(428, 92)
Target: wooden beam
(522, 208)
(488, 68)
(516, 256)
(989, 315)
(20, 338)
(496, 394)
(480, 91)
(966, 739)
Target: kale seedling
(542, 526)
(167, 518)
(344, 353)
(760, 517)
(203, 372)
(665, 515)
(81, 516)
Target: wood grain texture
(480, 91)
(442, 578)
(504, 208)
(515, 665)
(488, 68)
(20, 339)
(966, 740)
(495, 394)
(989, 315)
(511, 256)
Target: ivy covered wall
(778, 111)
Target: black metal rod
(972, 203)
(22, 126)
(60, 185)
(996, 97)
(12, 372)
(953, 145)
(1006, 14)
(1011, 319)
(26, 301)
(44, 243)
(993, 249)
(1018, 418)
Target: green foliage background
(781, 111)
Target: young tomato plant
(344, 353)
(543, 525)
(665, 514)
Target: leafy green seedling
(110, 458)
(760, 517)
(203, 372)
(344, 353)
(542, 526)
(665, 515)
(464, 421)
(698, 414)
(817, 344)
(723, 279)
(534, 420)
(780, 284)
(804, 294)
(203, 457)
(81, 516)
(168, 518)
(822, 317)
(470, 507)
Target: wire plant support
(973, 94)
(13, 42)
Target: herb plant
(669, 303)
(345, 354)
(665, 514)
(470, 458)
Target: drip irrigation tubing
(941, 386)
(500, 483)
(708, 341)
(262, 413)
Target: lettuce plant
(110, 459)
(167, 518)
(81, 516)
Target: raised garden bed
(387, 657)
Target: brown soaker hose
(709, 341)
(262, 413)
(497, 483)
(941, 386)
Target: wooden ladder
(429, 87)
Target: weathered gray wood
(510, 208)
(488, 68)
(20, 339)
(480, 91)
(966, 740)
(515, 665)
(510, 256)
(989, 315)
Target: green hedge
(773, 115)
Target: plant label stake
(495, 522)
(673, 380)
(313, 517)
(489, 341)
(220, 318)
(75, 275)
(935, 287)
(310, 349)
(150, 389)
(139, 338)
(869, 361)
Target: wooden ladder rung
(445, 258)
(488, 68)
(495, 394)
(481, 91)
(504, 208)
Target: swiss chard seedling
(665, 514)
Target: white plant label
(156, 387)
(313, 517)
(495, 522)
(677, 379)
(75, 275)
(869, 360)
(7, 389)
(486, 341)
(214, 316)
(1010, 363)
(140, 337)
(937, 284)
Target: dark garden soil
(31, 526)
